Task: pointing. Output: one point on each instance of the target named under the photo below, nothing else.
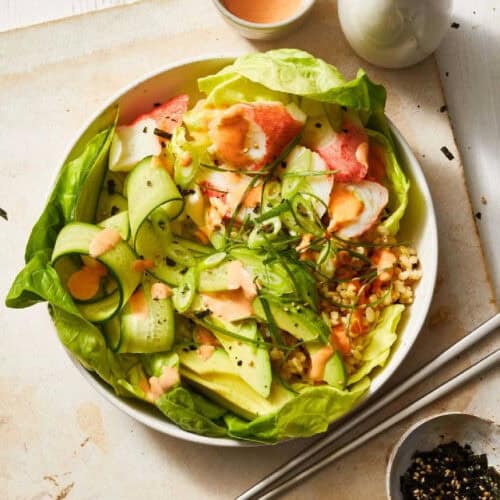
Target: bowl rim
(419, 423)
(302, 11)
(170, 428)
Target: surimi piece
(252, 135)
(131, 143)
(355, 208)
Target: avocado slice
(335, 372)
(301, 322)
(218, 380)
(250, 362)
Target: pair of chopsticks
(280, 480)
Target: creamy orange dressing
(344, 207)
(204, 352)
(239, 278)
(253, 197)
(204, 337)
(84, 284)
(160, 385)
(384, 260)
(318, 362)
(104, 241)
(229, 133)
(141, 265)
(160, 291)
(138, 304)
(231, 305)
(263, 11)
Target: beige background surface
(58, 436)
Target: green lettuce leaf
(293, 71)
(228, 87)
(71, 199)
(396, 182)
(379, 343)
(86, 342)
(192, 412)
(311, 412)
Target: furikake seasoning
(450, 471)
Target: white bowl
(265, 31)
(482, 435)
(419, 226)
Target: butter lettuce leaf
(396, 182)
(192, 412)
(293, 71)
(74, 197)
(311, 412)
(379, 343)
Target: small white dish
(482, 435)
(418, 226)
(265, 31)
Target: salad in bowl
(233, 260)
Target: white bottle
(394, 33)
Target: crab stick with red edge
(355, 208)
(131, 143)
(253, 135)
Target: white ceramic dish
(265, 31)
(419, 226)
(482, 435)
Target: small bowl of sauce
(264, 19)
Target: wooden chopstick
(296, 463)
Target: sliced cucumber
(109, 205)
(112, 333)
(165, 269)
(185, 293)
(118, 222)
(75, 238)
(102, 309)
(147, 331)
(148, 187)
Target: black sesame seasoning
(192, 347)
(145, 130)
(161, 133)
(345, 130)
(114, 210)
(478, 215)
(344, 108)
(169, 262)
(203, 314)
(455, 25)
(3, 214)
(447, 153)
(156, 104)
(450, 471)
(318, 125)
(184, 270)
(149, 183)
(239, 363)
(443, 108)
(111, 186)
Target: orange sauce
(263, 11)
